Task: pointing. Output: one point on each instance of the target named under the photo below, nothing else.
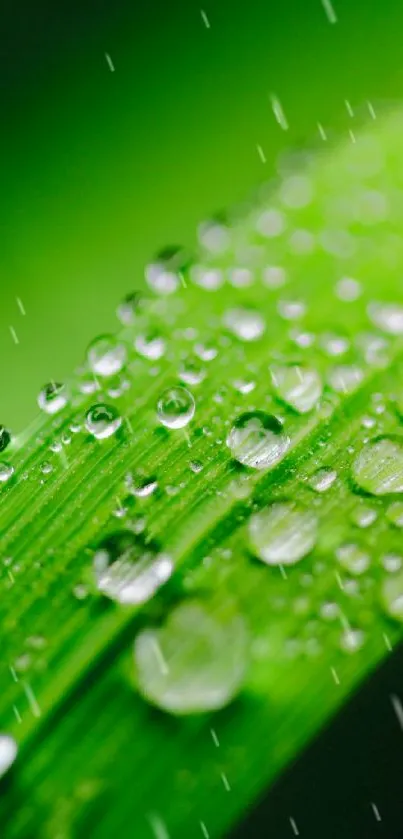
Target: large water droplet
(283, 533)
(5, 438)
(52, 398)
(378, 469)
(392, 596)
(257, 440)
(106, 356)
(129, 571)
(102, 420)
(8, 752)
(246, 324)
(299, 387)
(195, 663)
(176, 407)
(387, 316)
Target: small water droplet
(130, 307)
(291, 309)
(5, 438)
(129, 571)
(195, 662)
(363, 516)
(150, 345)
(257, 440)
(345, 378)
(299, 387)
(52, 398)
(387, 316)
(352, 640)
(141, 486)
(8, 753)
(245, 324)
(165, 274)
(283, 533)
(274, 276)
(176, 407)
(378, 469)
(196, 466)
(353, 558)
(392, 596)
(391, 562)
(322, 479)
(46, 467)
(208, 278)
(243, 386)
(214, 236)
(106, 356)
(394, 513)
(270, 223)
(348, 289)
(191, 372)
(333, 344)
(6, 471)
(102, 420)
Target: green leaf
(275, 494)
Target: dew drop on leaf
(387, 316)
(102, 420)
(394, 513)
(106, 355)
(52, 398)
(299, 387)
(150, 345)
(257, 440)
(176, 407)
(378, 469)
(352, 640)
(322, 479)
(129, 571)
(5, 438)
(195, 662)
(6, 471)
(345, 378)
(283, 533)
(392, 596)
(245, 324)
(353, 558)
(8, 753)
(130, 307)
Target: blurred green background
(100, 169)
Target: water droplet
(246, 324)
(129, 571)
(130, 307)
(165, 274)
(353, 559)
(141, 486)
(394, 513)
(345, 378)
(176, 407)
(392, 596)
(378, 469)
(270, 223)
(208, 278)
(52, 398)
(257, 440)
(191, 372)
(322, 479)
(195, 663)
(196, 466)
(5, 438)
(387, 316)
(291, 309)
(106, 356)
(364, 516)
(46, 467)
(8, 752)
(352, 640)
(348, 289)
(296, 191)
(240, 277)
(334, 344)
(214, 236)
(205, 352)
(243, 386)
(6, 471)
(102, 420)
(283, 533)
(150, 345)
(391, 562)
(375, 349)
(274, 276)
(299, 387)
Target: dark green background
(101, 169)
